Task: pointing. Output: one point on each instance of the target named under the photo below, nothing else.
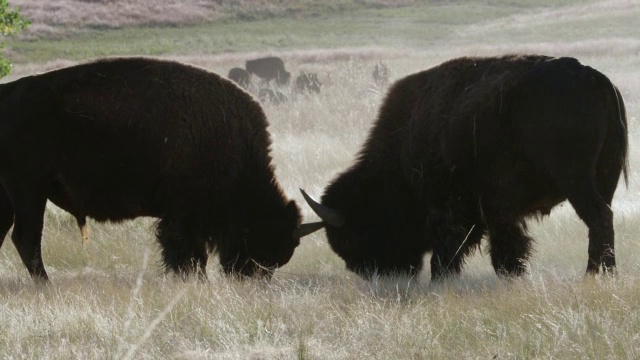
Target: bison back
(129, 137)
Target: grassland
(109, 299)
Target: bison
(381, 74)
(472, 148)
(240, 76)
(269, 68)
(122, 138)
(308, 82)
(272, 96)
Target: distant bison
(381, 74)
(308, 82)
(269, 68)
(472, 148)
(273, 96)
(240, 76)
(122, 138)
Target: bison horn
(306, 229)
(327, 214)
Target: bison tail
(621, 134)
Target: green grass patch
(316, 27)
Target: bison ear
(292, 206)
(293, 211)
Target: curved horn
(327, 214)
(306, 229)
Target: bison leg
(450, 250)
(607, 178)
(29, 209)
(6, 215)
(509, 247)
(182, 252)
(598, 216)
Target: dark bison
(240, 76)
(381, 74)
(122, 138)
(269, 68)
(472, 148)
(308, 82)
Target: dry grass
(110, 299)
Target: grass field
(110, 299)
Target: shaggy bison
(472, 148)
(269, 68)
(122, 138)
(308, 82)
(240, 76)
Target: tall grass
(110, 299)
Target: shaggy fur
(122, 138)
(472, 148)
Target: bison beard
(122, 138)
(471, 149)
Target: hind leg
(510, 247)
(607, 178)
(591, 199)
(6, 215)
(596, 213)
(182, 252)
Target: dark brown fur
(472, 148)
(122, 138)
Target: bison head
(373, 235)
(283, 78)
(265, 243)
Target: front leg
(450, 249)
(510, 247)
(183, 251)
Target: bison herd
(268, 69)
(466, 150)
(273, 78)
